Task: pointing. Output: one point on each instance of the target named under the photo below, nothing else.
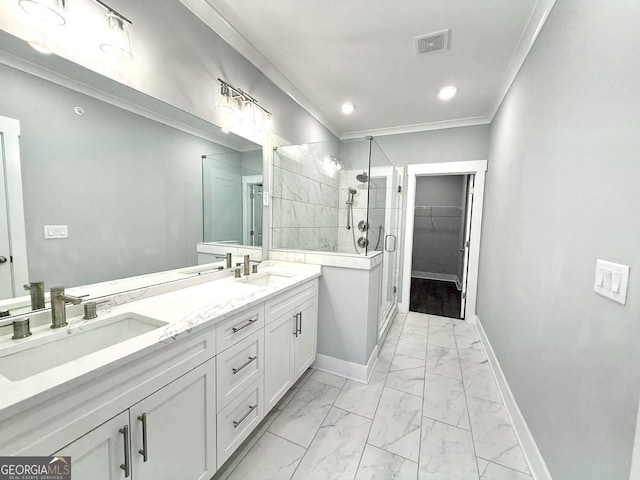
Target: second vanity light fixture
(234, 101)
(117, 43)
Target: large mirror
(125, 191)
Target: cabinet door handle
(295, 330)
(248, 324)
(144, 452)
(236, 423)
(300, 329)
(236, 370)
(126, 466)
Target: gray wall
(562, 191)
(436, 231)
(448, 145)
(128, 188)
(348, 313)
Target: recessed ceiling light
(447, 93)
(347, 108)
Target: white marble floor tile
(416, 324)
(284, 401)
(412, 345)
(445, 401)
(443, 361)
(493, 435)
(410, 380)
(396, 425)
(446, 453)
(328, 378)
(303, 378)
(442, 338)
(470, 349)
(479, 381)
(362, 398)
(403, 362)
(493, 471)
(464, 329)
(271, 457)
(300, 419)
(435, 321)
(377, 464)
(384, 357)
(393, 336)
(336, 449)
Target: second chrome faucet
(59, 306)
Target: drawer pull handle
(144, 451)
(300, 329)
(296, 330)
(248, 324)
(126, 466)
(248, 362)
(236, 423)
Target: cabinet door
(278, 374)
(305, 343)
(99, 454)
(173, 430)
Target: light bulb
(47, 11)
(116, 43)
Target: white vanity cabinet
(291, 335)
(169, 434)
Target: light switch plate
(611, 280)
(56, 231)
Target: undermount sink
(61, 347)
(266, 279)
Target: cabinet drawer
(237, 327)
(238, 366)
(238, 419)
(281, 305)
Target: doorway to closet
(441, 228)
(446, 217)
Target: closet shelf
(433, 211)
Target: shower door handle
(386, 243)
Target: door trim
(10, 129)
(474, 167)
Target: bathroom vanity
(161, 387)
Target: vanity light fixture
(47, 11)
(447, 93)
(348, 108)
(117, 43)
(235, 101)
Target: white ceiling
(326, 52)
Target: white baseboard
(443, 277)
(536, 463)
(353, 371)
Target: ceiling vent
(433, 42)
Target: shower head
(363, 177)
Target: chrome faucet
(247, 263)
(36, 290)
(59, 306)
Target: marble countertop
(185, 310)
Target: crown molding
(419, 127)
(211, 17)
(537, 19)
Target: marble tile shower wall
(305, 201)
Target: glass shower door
(384, 228)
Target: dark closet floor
(435, 297)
